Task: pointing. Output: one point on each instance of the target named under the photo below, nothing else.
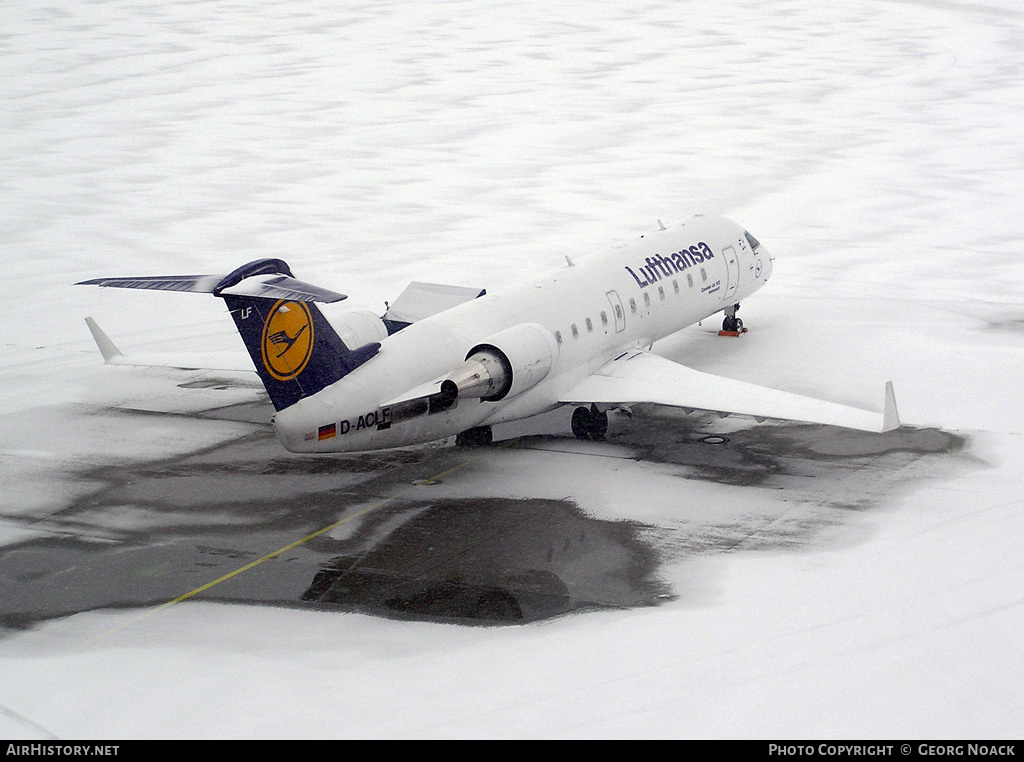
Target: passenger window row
(632, 306)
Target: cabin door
(732, 272)
(617, 311)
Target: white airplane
(447, 361)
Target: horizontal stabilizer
(282, 287)
(266, 286)
(638, 376)
(293, 348)
(200, 284)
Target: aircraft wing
(421, 300)
(639, 376)
(220, 361)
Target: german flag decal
(326, 432)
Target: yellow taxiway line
(253, 564)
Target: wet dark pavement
(496, 560)
(242, 516)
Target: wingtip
(107, 348)
(891, 416)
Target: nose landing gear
(732, 325)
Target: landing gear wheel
(598, 424)
(479, 436)
(732, 323)
(581, 423)
(589, 423)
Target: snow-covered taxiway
(690, 577)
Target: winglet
(891, 416)
(107, 347)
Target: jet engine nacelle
(504, 365)
(359, 327)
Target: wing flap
(638, 376)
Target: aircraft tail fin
(295, 350)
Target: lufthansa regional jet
(446, 360)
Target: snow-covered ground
(875, 147)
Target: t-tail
(295, 350)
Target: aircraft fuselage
(588, 313)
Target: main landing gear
(478, 436)
(732, 325)
(589, 423)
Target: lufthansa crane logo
(287, 340)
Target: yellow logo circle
(287, 340)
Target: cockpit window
(754, 243)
